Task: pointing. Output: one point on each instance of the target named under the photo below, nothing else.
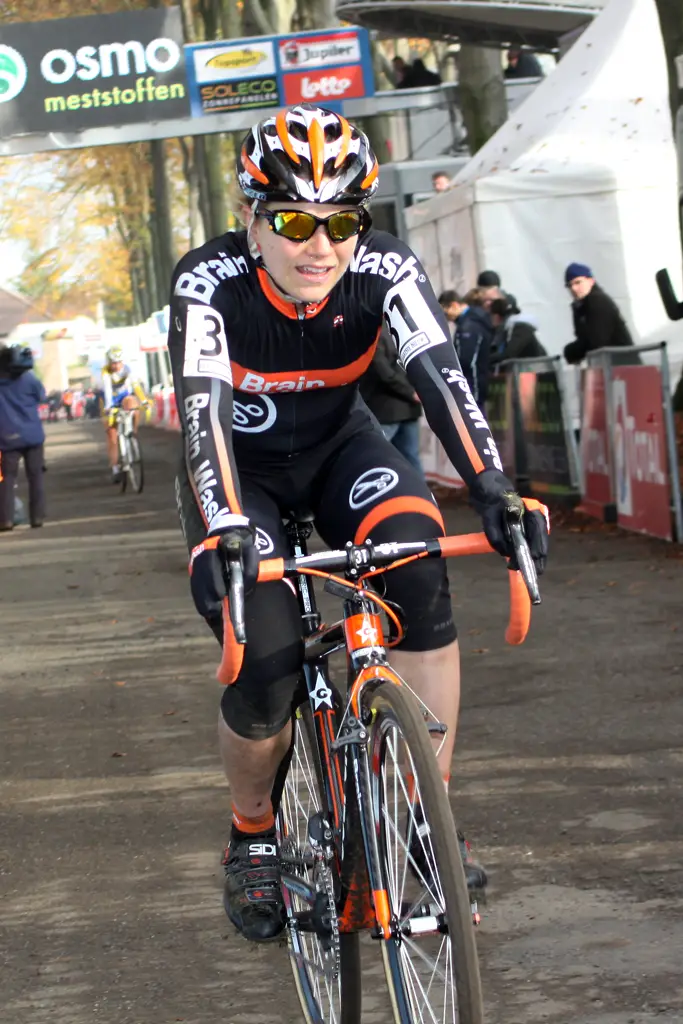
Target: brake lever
(231, 549)
(522, 560)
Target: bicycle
(367, 838)
(130, 454)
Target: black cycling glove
(209, 578)
(490, 493)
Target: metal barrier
(628, 442)
(531, 424)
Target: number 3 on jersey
(206, 346)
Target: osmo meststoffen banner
(71, 74)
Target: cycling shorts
(360, 487)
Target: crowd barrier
(625, 471)
(628, 443)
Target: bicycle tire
(340, 1002)
(135, 468)
(395, 712)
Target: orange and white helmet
(310, 154)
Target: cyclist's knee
(259, 703)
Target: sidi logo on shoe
(262, 850)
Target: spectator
(453, 306)
(416, 76)
(400, 71)
(488, 284)
(441, 182)
(597, 320)
(392, 400)
(473, 340)
(21, 434)
(522, 64)
(515, 333)
(54, 404)
(67, 402)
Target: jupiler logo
(13, 73)
(372, 484)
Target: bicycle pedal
(437, 728)
(476, 916)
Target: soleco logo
(13, 73)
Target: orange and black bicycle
(367, 836)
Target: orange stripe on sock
(252, 826)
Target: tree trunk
(671, 21)
(195, 219)
(216, 180)
(231, 18)
(482, 93)
(161, 221)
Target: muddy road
(113, 812)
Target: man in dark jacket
(391, 399)
(515, 332)
(21, 434)
(597, 320)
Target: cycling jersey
(117, 386)
(260, 380)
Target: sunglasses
(298, 226)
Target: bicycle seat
(302, 514)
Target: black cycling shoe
(252, 897)
(475, 875)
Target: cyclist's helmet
(309, 154)
(115, 354)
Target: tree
(482, 93)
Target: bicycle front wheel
(325, 964)
(134, 471)
(431, 959)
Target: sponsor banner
(225, 63)
(331, 84)
(71, 74)
(500, 416)
(542, 425)
(597, 493)
(319, 67)
(298, 52)
(642, 479)
(239, 95)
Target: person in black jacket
(391, 399)
(474, 335)
(597, 320)
(515, 332)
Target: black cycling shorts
(358, 488)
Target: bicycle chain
(334, 920)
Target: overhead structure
(536, 23)
(583, 171)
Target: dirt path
(113, 812)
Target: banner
(71, 74)
(543, 433)
(500, 416)
(642, 480)
(597, 497)
(274, 71)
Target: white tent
(585, 171)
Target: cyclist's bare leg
(132, 402)
(435, 677)
(112, 447)
(251, 766)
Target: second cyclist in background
(121, 390)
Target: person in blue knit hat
(598, 322)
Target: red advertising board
(324, 84)
(595, 453)
(642, 480)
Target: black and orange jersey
(260, 380)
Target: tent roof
(538, 23)
(601, 118)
